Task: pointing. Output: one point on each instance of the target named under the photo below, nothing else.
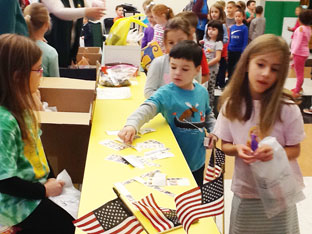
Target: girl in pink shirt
(297, 12)
(300, 48)
(161, 14)
(254, 106)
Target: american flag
(204, 201)
(162, 219)
(214, 169)
(111, 218)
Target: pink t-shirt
(300, 41)
(159, 36)
(288, 132)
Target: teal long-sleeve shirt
(11, 18)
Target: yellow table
(100, 174)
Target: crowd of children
(201, 49)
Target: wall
(176, 5)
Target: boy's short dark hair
(305, 17)
(259, 10)
(188, 50)
(118, 6)
(249, 2)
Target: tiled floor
(304, 208)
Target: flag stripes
(153, 213)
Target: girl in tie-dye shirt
(25, 182)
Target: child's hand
(245, 153)
(289, 29)
(201, 42)
(264, 153)
(212, 139)
(53, 187)
(127, 134)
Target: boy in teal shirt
(183, 103)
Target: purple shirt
(148, 36)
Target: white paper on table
(113, 93)
(70, 196)
(134, 161)
(159, 179)
(178, 182)
(112, 132)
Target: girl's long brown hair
(17, 55)
(236, 95)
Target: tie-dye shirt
(23, 160)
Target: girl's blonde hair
(237, 93)
(177, 23)
(18, 54)
(160, 9)
(36, 15)
(222, 15)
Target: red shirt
(204, 64)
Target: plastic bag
(118, 75)
(275, 180)
(134, 37)
(119, 31)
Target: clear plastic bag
(275, 180)
(118, 75)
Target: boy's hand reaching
(127, 134)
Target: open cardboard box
(65, 133)
(92, 50)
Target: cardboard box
(92, 50)
(122, 54)
(65, 134)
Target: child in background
(192, 18)
(38, 22)
(297, 12)
(146, 4)
(25, 178)
(200, 8)
(238, 41)
(149, 31)
(216, 12)
(174, 101)
(250, 13)
(242, 5)
(257, 26)
(230, 17)
(177, 29)
(161, 14)
(254, 100)
(300, 48)
(213, 46)
(119, 12)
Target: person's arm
(251, 30)
(17, 187)
(57, 8)
(239, 150)
(146, 112)
(292, 151)
(297, 41)
(245, 38)
(225, 34)
(54, 66)
(197, 9)
(154, 77)
(216, 59)
(204, 68)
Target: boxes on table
(65, 133)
